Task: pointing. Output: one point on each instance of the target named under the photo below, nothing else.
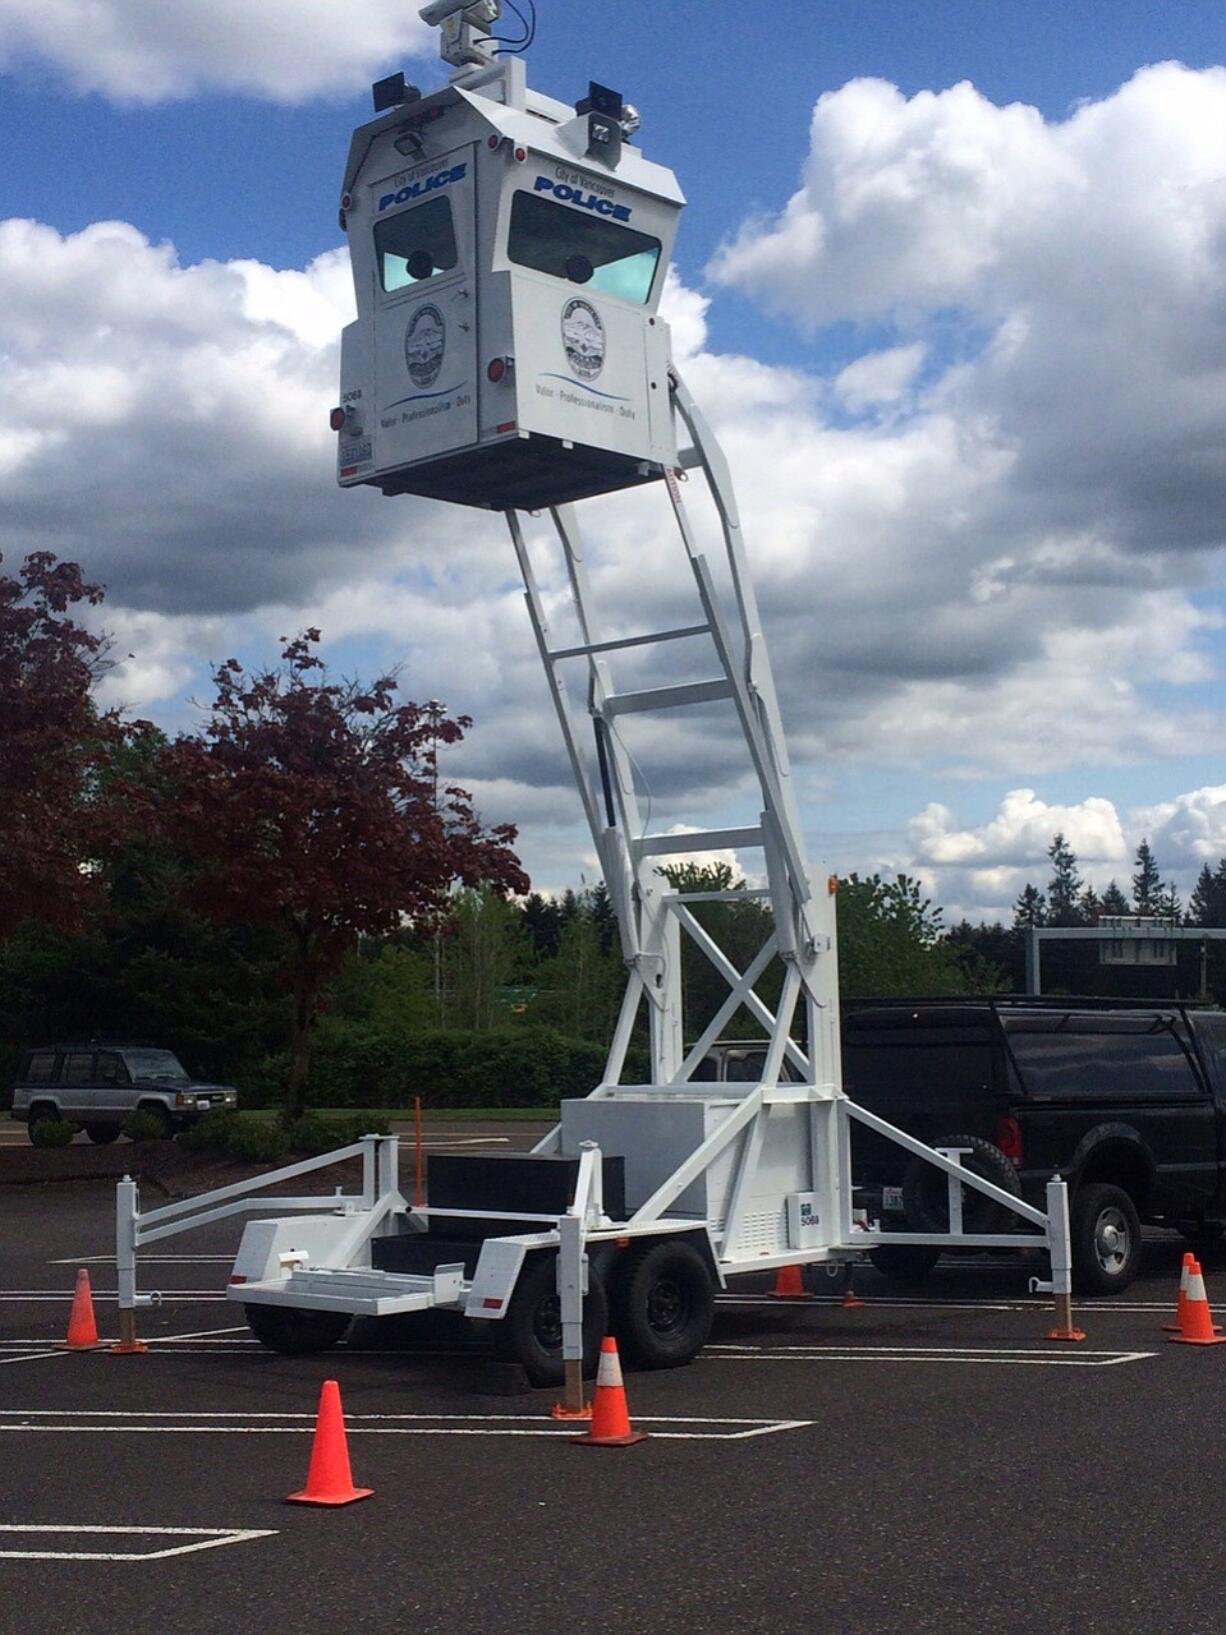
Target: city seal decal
(425, 342)
(583, 338)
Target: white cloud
(878, 377)
(1020, 833)
(1002, 574)
(1188, 831)
(144, 51)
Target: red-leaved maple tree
(53, 742)
(309, 806)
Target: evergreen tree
(1170, 905)
(1030, 909)
(1146, 882)
(1089, 906)
(1202, 903)
(1114, 901)
(1064, 886)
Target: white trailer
(509, 253)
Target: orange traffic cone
(1197, 1323)
(851, 1301)
(610, 1413)
(82, 1329)
(1189, 1260)
(329, 1479)
(790, 1284)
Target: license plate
(891, 1200)
(356, 454)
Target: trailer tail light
(337, 419)
(1009, 1137)
(235, 1278)
(499, 368)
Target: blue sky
(727, 94)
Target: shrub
(520, 1066)
(256, 1142)
(313, 1134)
(140, 1126)
(209, 1134)
(52, 1132)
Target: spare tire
(925, 1189)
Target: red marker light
(497, 369)
(346, 201)
(521, 154)
(492, 143)
(337, 419)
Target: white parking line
(910, 1302)
(121, 1422)
(856, 1352)
(209, 1538)
(35, 1356)
(145, 1260)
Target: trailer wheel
(663, 1304)
(905, 1262)
(294, 1331)
(925, 1189)
(531, 1331)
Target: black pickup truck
(1126, 1101)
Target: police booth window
(606, 256)
(416, 245)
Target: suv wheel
(1106, 1232)
(102, 1134)
(159, 1110)
(42, 1112)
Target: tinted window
(40, 1068)
(152, 1066)
(78, 1068)
(591, 250)
(1082, 1058)
(416, 245)
(110, 1069)
(1211, 1031)
(917, 1062)
(706, 1071)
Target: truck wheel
(102, 1134)
(294, 1331)
(925, 1190)
(42, 1112)
(663, 1304)
(1106, 1233)
(905, 1262)
(531, 1331)
(158, 1110)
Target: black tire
(925, 1189)
(905, 1262)
(158, 1110)
(102, 1134)
(531, 1331)
(295, 1332)
(42, 1112)
(1106, 1233)
(663, 1304)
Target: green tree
(1146, 882)
(891, 940)
(1207, 904)
(1089, 906)
(481, 953)
(1064, 887)
(1114, 901)
(1030, 909)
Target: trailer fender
(272, 1248)
(498, 1267)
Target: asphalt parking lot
(926, 1462)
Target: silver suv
(99, 1085)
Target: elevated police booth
(508, 256)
